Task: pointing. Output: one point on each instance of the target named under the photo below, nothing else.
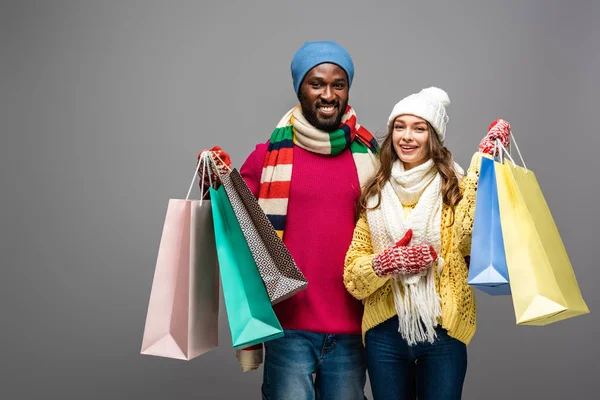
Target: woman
(407, 260)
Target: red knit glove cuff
(254, 347)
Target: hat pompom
(437, 94)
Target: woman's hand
(499, 129)
(403, 259)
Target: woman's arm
(359, 278)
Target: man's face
(324, 96)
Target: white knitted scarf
(415, 297)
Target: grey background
(105, 105)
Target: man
(307, 179)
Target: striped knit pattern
(294, 129)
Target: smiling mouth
(327, 111)
(408, 149)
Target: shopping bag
(249, 311)
(487, 270)
(543, 284)
(276, 266)
(182, 317)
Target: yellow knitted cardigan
(458, 301)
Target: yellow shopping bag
(543, 284)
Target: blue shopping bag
(488, 271)
(249, 311)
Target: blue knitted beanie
(312, 54)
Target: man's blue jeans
(337, 362)
(431, 371)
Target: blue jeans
(337, 362)
(429, 371)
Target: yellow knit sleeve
(465, 210)
(359, 278)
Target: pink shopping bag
(182, 318)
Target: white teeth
(327, 108)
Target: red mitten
(223, 163)
(499, 129)
(402, 259)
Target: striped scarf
(294, 129)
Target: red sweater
(324, 191)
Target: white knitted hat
(429, 104)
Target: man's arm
(251, 170)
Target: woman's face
(410, 136)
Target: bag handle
(214, 154)
(498, 150)
(205, 167)
(503, 151)
(204, 159)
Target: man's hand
(207, 172)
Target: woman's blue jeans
(431, 371)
